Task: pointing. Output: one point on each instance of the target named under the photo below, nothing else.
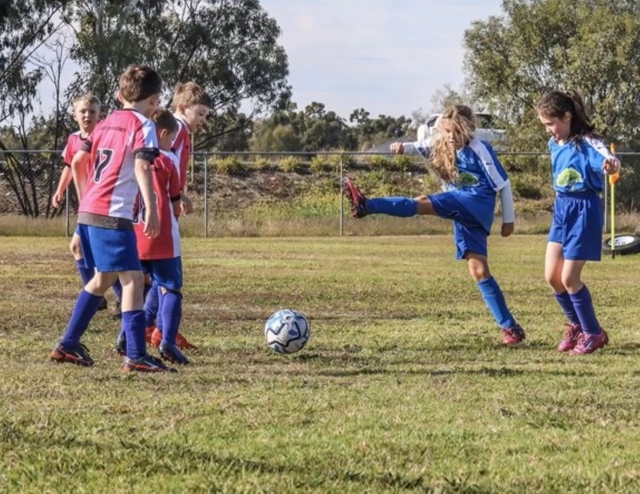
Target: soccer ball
(287, 331)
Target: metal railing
(250, 193)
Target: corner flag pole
(612, 179)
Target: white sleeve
(422, 148)
(506, 200)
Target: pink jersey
(74, 144)
(182, 147)
(115, 144)
(166, 188)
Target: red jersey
(74, 144)
(166, 188)
(182, 147)
(115, 144)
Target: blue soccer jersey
(480, 177)
(577, 166)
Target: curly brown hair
(460, 121)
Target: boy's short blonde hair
(138, 83)
(88, 98)
(189, 94)
(164, 119)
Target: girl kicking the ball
(471, 178)
(578, 158)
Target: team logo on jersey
(466, 180)
(568, 178)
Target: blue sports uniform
(576, 170)
(470, 201)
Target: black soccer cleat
(78, 355)
(146, 363)
(172, 354)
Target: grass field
(404, 386)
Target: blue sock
(585, 311)
(84, 310)
(133, 328)
(151, 304)
(564, 301)
(159, 321)
(171, 315)
(494, 299)
(117, 289)
(403, 207)
(85, 273)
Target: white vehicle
(485, 129)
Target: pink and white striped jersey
(114, 145)
(182, 147)
(166, 188)
(75, 141)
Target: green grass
(404, 386)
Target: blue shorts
(108, 250)
(167, 273)
(468, 233)
(577, 226)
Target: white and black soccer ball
(287, 331)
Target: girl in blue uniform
(578, 158)
(471, 178)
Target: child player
(86, 113)
(578, 160)
(472, 178)
(160, 256)
(120, 149)
(190, 105)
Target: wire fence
(253, 194)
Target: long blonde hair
(461, 121)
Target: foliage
(538, 45)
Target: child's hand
(56, 200)
(151, 223)
(396, 148)
(507, 229)
(611, 165)
(186, 205)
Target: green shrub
(290, 164)
(379, 162)
(321, 163)
(229, 166)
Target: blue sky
(386, 56)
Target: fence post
(341, 221)
(66, 212)
(206, 195)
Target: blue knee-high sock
(117, 289)
(151, 304)
(403, 207)
(585, 311)
(565, 303)
(83, 311)
(493, 297)
(159, 321)
(85, 273)
(171, 316)
(133, 329)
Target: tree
(228, 47)
(537, 45)
(25, 27)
